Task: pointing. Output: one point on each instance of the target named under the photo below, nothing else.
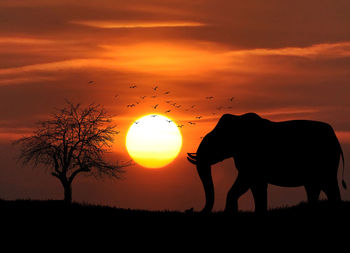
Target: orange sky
(281, 60)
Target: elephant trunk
(207, 181)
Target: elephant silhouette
(287, 153)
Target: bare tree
(73, 141)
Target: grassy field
(292, 225)
(41, 210)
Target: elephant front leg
(238, 189)
(259, 191)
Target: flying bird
(199, 117)
(191, 123)
(167, 92)
(155, 88)
(153, 96)
(190, 108)
(174, 104)
(167, 111)
(180, 126)
(132, 86)
(154, 115)
(155, 106)
(130, 105)
(169, 121)
(168, 101)
(142, 97)
(136, 122)
(210, 97)
(178, 106)
(232, 98)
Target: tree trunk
(67, 193)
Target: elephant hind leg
(313, 193)
(331, 189)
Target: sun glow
(153, 141)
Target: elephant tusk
(192, 155)
(192, 161)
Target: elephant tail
(342, 157)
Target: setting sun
(153, 141)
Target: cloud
(330, 50)
(136, 24)
(180, 59)
(25, 40)
(22, 80)
(59, 66)
(289, 111)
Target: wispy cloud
(22, 80)
(24, 40)
(289, 111)
(332, 50)
(134, 24)
(58, 65)
(179, 59)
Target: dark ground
(291, 225)
(35, 211)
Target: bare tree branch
(74, 140)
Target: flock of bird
(174, 104)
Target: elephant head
(209, 152)
(229, 136)
(204, 171)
